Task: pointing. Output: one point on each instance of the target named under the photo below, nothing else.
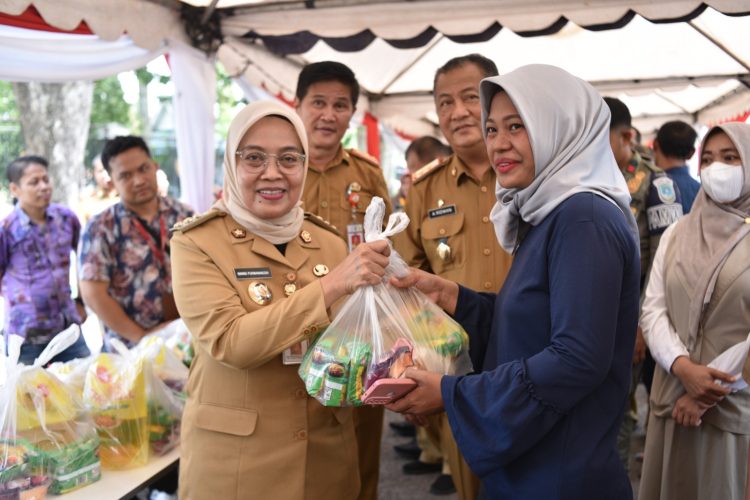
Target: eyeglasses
(257, 161)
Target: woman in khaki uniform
(252, 283)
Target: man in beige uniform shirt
(340, 185)
(449, 205)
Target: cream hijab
(281, 229)
(707, 235)
(568, 126)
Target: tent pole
(720, 45)
(209, 10)
(671, 101)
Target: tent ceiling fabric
(403, 20)
(681, 58)
(661, 70)
(147, 23)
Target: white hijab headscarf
(282, 229)
(568, 126)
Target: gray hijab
(568, 126)
(707, 235)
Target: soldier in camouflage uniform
(656, 204)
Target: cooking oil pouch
(115, 394)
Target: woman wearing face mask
(553, 349)
(252, 283)
(697, 305)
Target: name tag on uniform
(252, 273)
(293, 355)
(440, 212)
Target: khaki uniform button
(485, 219)
(301, 434)
(484, 189)
(324, 203)
(291, 276)
(487, 285)
(306, 331)
(442, 231)
(313, 329)
(486, 251)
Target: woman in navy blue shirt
(552, 351)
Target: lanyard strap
(159, 252)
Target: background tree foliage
(111, 114)
(11, 140)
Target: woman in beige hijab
(254, 281)
(697, 306)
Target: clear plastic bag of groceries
(48, 442)
(115, 394)
(177, 337)
(380, 331)
(166, 392)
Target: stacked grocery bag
(380, 331)
(61, 425)
(48, 441)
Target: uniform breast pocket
(362, 204)
(443, 241)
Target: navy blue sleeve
(474, 312)
(498, 415)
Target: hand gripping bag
(380, 331)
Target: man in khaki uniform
(340, 184)
(449, 205)
(656, 203)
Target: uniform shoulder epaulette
(193, 221)
(364, 157)
(431, 167)
(320, 221)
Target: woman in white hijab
(252, 283)
(553, 349)
(697, 306)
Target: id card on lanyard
(169, 308)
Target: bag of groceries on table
(73, 372)
(177, 337)
(379, 332)
(115, 394)
(166, 377)
(48, 442)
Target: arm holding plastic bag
(380, 332)
(229, 327)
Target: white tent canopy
(697, 70)
(670, 59)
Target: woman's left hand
(425, 399)
(688, 411)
